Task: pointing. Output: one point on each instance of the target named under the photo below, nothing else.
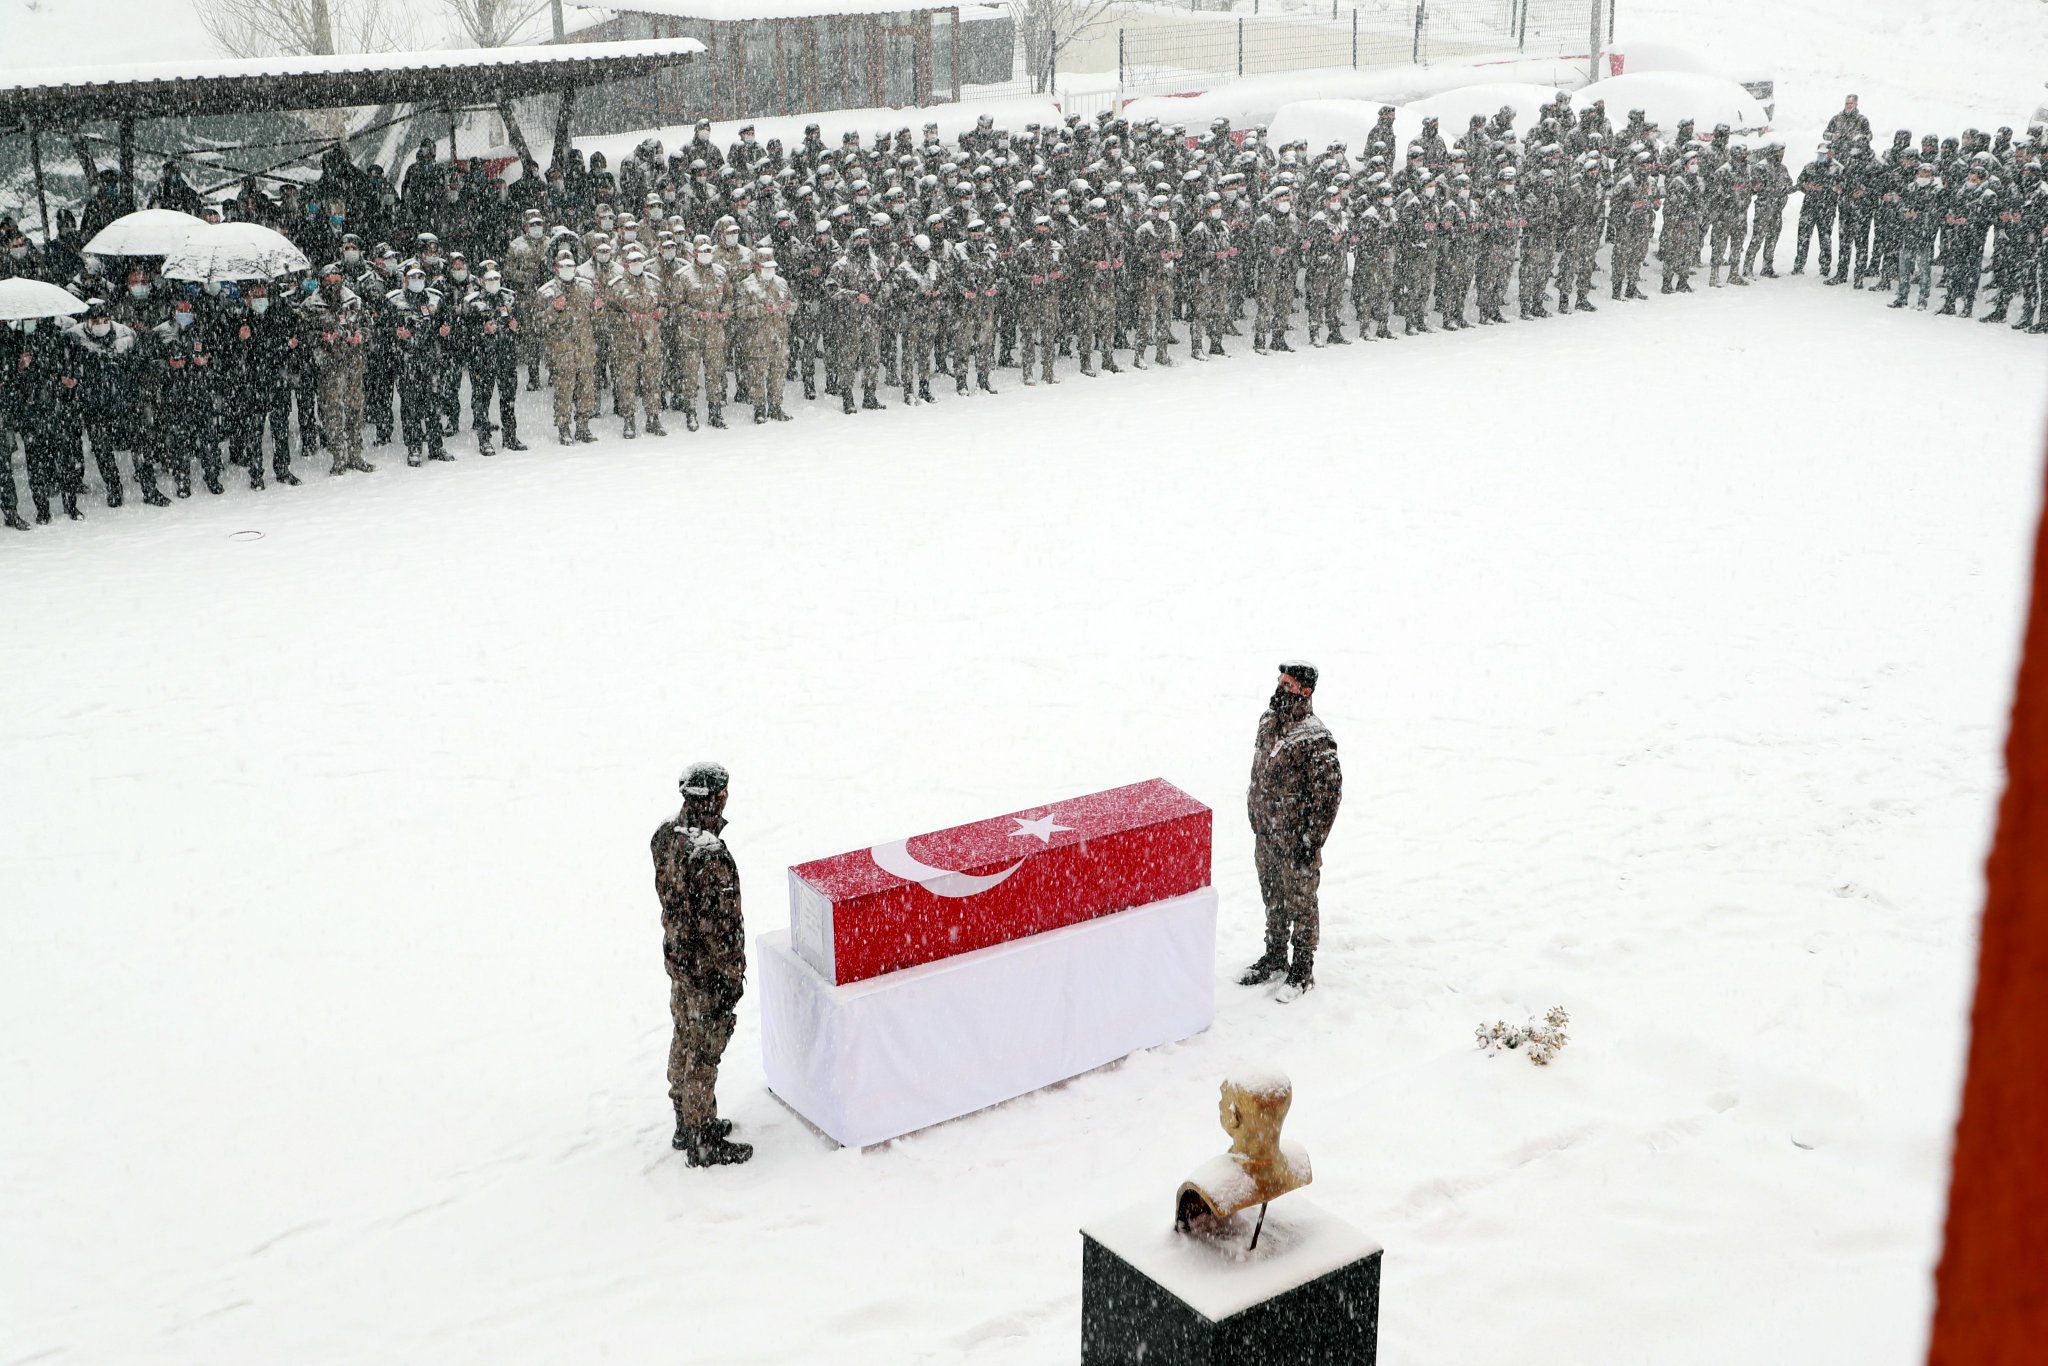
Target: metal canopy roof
(62, 97)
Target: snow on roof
(340, 64)
(732, 11)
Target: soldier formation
(683, 281)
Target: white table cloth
(876, 1059)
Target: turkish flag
(909, 901)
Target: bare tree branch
(493, 23)
(1046, 26)
(269, 28)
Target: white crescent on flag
(895, 857)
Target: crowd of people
(683, 281)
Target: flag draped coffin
(905, 902)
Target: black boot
(760, 416)
(213, 484)
(1216, 347)
(14, 521)
(1301, 975)
(705, 1150)
(1279, 342)
(775, 413)
(629, 430)
(412, 456)
(924, 391)
(1996, 315)
(810, 387)
(981, 383)
(717, 1128)
(114, 493)
(283, 474)
(846, 401)
(483, 444)
(869, 401)
(71, 508)
(1383, 333)
(1665, 288)
(716, 417)
(42, 513)
(690, 419)
(1270, 964)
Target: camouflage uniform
(1039, 268)
(1296, 785)
(1155, 257)
(766, 307)
(638, 307)
(704, 950)
(702, 293)
(568, 310)
(334, 327)
(1214, 258)
(857, 282)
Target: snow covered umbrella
(233, 251)
(148, 232)
(24, 298)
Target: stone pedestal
(1309, 1293)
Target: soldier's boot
(1684, 285)
(114, 491)
(1383, 333)
(1314, 335)
(689, 418)
(1407, 327)
(1265, 968)
(1005, 360)
(14, 521)
(760, 415)
(1109, 365)
(532, 386)
(775, 413)
(1196, 351)
(1161, 356)
(1259, 342)
(42, 510)
(71, 508)
(1665, 288)
(960, 382)
(1614, 293)
(340, 466)
(412, 456)
(924, 390)
(583, 433)
(810, 387)
(716, 417)
(1537, 310)
(1947, 309)
(1968, 304)
(563, 434)
(360, 465)
(868, 399)
(1996, 315)
(1899, 302)
(1839, 276)
(706, 1151)
(981, 383)
(1138, 359)
(1713, 277)
(483, 442)
(1635, 291)
(1278, 341)
(629, 429)
(256, 476)
(909, 397)
(1737, 279)
(716, 1128)
(1585, 305)
(1768, 272)
(845, 401)
(1301, 976)
(654, 427)
(1088, 364)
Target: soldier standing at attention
(1295, 788)
(703, 946)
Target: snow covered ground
(1669, 649)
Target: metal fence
(1151, 48)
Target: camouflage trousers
(1154, 319)
(1535, 276)
(703, 1017)
(1038, 331)
(341, 411)
(974, 336)
(1288, 885)
(1325, 298)
(1496, 264)
(767, 367)
(575, 386)
(703, 357)
(1097, 320)
(1276, 299)
(639, 361)
(1763, 241)
(1207, 310)
(1725, 240)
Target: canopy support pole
(35, 161)
(127, 154)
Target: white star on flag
(1041, 828)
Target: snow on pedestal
(1309, 1293)
(871, 1060)
(904, 902)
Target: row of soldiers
(961, 262)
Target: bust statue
(1260, 1166)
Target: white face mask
(602, 255)
(534, 232)
(704, 256)
(213, 287)
(635, 267)
(352, 256)
(183, 319)
(30, 325)
(565, 272)
(259, 306)
(17, 252)
(768, 270)
(491, 284)
(415, 285)
(458, 274)
(99, 329)
(138, 291)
